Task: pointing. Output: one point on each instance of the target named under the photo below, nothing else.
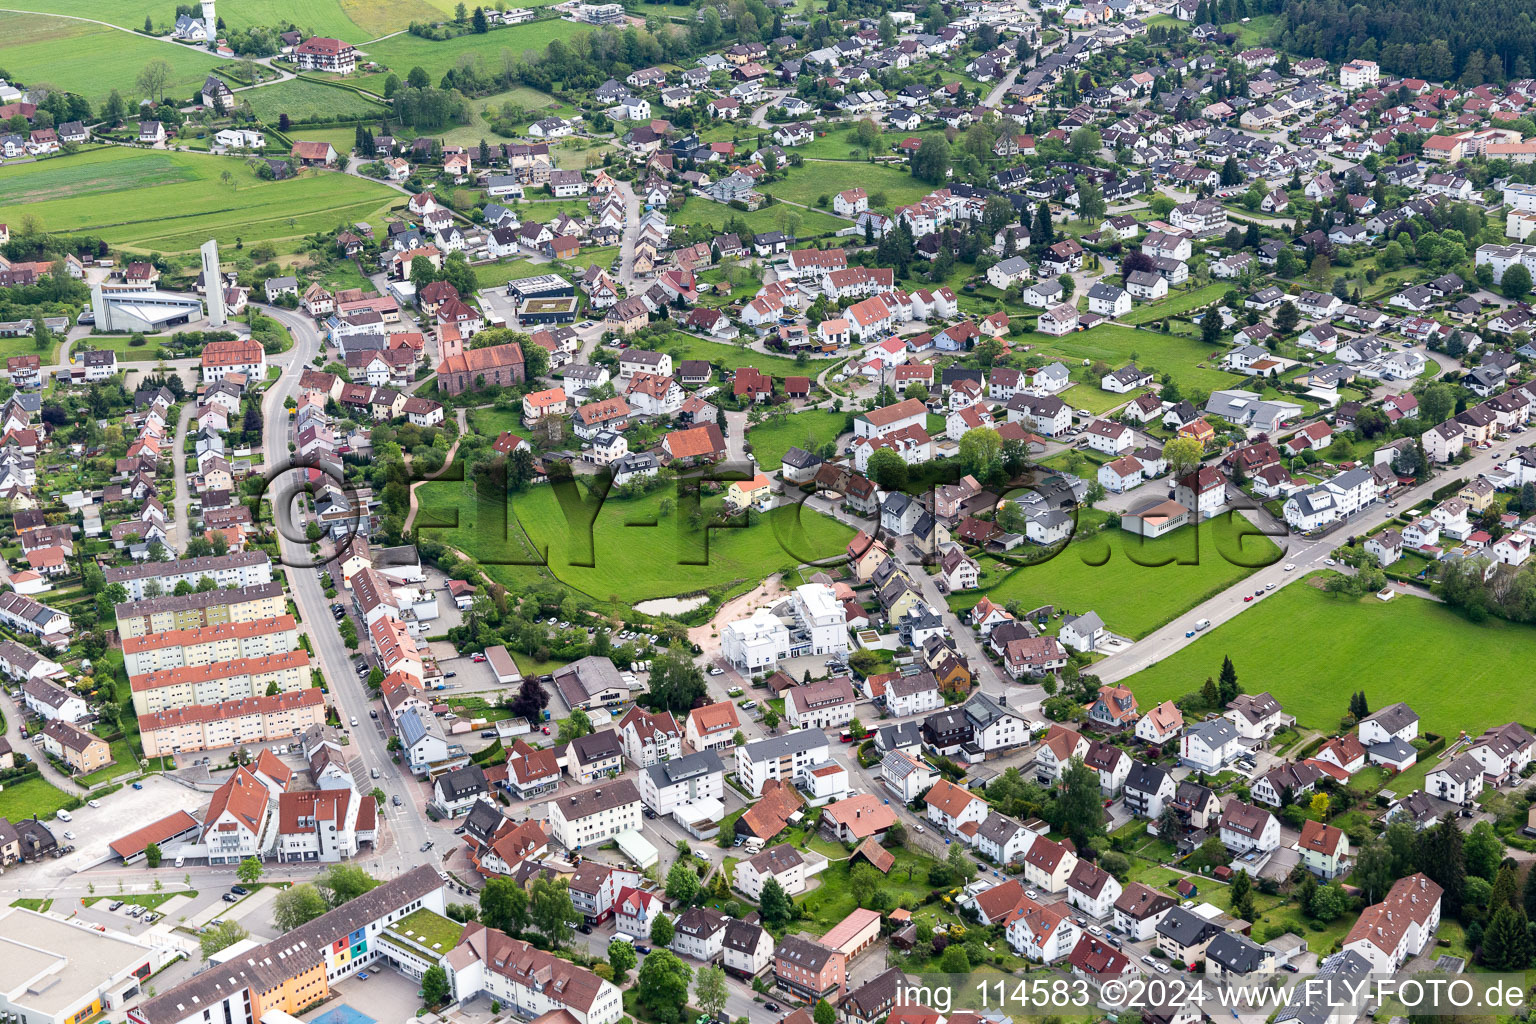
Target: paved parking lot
(94, 828)
(385, 995)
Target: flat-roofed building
(60, 972)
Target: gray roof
(1464, 769)
(1218, 732)
(1145, 778)
(596, 799)
(463, 782)
(774, 747)
(1184, 927)
(681, 769)
(1393, 717)
(1394, 750)
(597, 746)
(1236, 953)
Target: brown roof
(863, 815)
(949, 798)
(878, 856)
(767, 818)
(695, 441)
(478, 360)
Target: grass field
(1307, 648)
(828, 177)
(148, 352)
(1137, 585)
(173, 202)
(629, 541)
(303, 101)
(837, 143)
(33, 797)
(314, 17)
(1173, 354)
(402, 52)
(1177, 302)
(537, 104)
(734, 357)
(91, 59)
(696, 210)
(809, 429)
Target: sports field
(91, 59)
(153, 201)
(303, 101)
(625, 551)
(1137, 585)
(1311, 650)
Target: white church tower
(210, 21)
(213, 280)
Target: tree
(152, 855)
(864, 883)
(575, 727)
(1507, 940)
(979, 450)
(621, 957)
(504, 905)
(774, 904)
(866, 134)
(1210, 326)
(888, 469)
(221, 935)
(709, 990)
(1516, 282)
(340, 883)
(682, 883)
(676, 684)
(154, 78)
(930, 164)
(1320, 272)
(1373, 870)
(1182, 455)
(1439, 854)
(552, 911)
(1483, 850)
(296, 905)
(1227, 689)
(955, 960)
(1076, 809)
(662, 984)
(434, 986)
(1085, 142)
(959, 862)
(823, 1013)
(1090, 199)
(1242, 896)
(1287, 316)
(531, 700)
(662, 931)
(249, 871)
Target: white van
(63, 816)
(1202, 624)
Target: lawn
(34, 797)
(402, 52)
(537, 104)
(1174, 354)
(838, 143)
(128, 197)
(697, 210)
(1308, 648)
(91, 59)
(309, 101)
(818, 178)
(654, 554)
(148, 352)
(734, 357)
(832, 900)
(1177, 302)
(809, 430)
(1137, 585)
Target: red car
(1248, 598)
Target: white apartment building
(592, 816)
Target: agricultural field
(1307, 648)
(816, 178)
(809, 429)
(306, 101)
(1137, 585)
(152, 201)
(92, 60)
(402, 52)
(653, 554)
